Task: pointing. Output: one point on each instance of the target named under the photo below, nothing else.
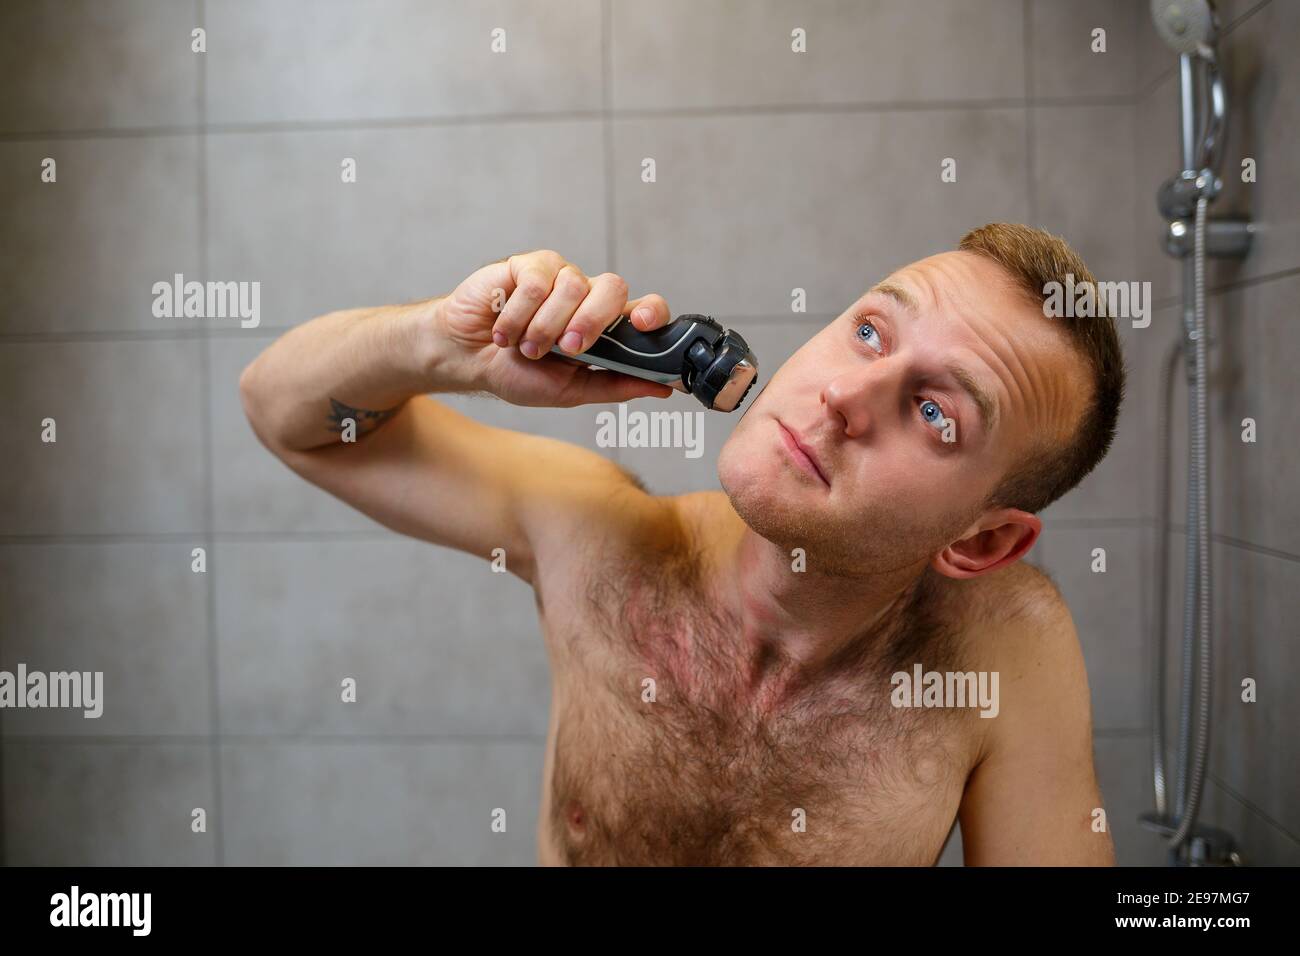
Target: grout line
(1219, 782)
(267, 332)
(607, 153)
(1229, 27)
(1031, 191)
(607, 135)
(1072, 524)
(141, 335)
(380, 534)
(357, 124)
(1158, 81)
(206, 450)
(1169, 301)
(266, 739)
(187, 537)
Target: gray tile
(381, 804)
(1123, 764)
(1260, 841)
(952, 854)
(1263, 86)
(676, 53)
(436, 642)
(1107, 616)
(255, 492)
(1254, 749)
(82, 253)
(1145, 394)
(97, 64)
(107, 804)
(1064, 63)
(830, 219)
(128, 458)
(337, 59)
(1251, 750)
(429, 207)
(135, 612)
(1254, 376)
(1252, 357)
(1233, 12)
(1087, 151)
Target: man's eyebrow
(987, 406)
(897, 293)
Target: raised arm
(418, 466)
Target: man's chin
(788, 521)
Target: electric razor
(693, 354)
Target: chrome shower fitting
(1190, 27)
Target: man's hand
(501, 322)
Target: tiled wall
(775, 171)
(1253, 788)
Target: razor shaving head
(729, 371)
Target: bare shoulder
(1017, 612)
(1023, 631)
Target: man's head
(944, 408)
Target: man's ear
(999, 538)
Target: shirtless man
(722, 662)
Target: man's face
(875, 393)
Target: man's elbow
(253, 400)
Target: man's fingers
(602, 305)
(534, 276)
(571, 290)
(649, 312)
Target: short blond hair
(1033, 258)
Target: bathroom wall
(775, 171)
(1253, 789)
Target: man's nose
(861, 396)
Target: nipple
(576, 816)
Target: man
(733, 672)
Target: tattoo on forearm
(366, 419)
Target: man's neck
(811, 616)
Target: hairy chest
(674, 745)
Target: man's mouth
(804, 455)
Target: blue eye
(933, 414)
(871, 337)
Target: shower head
(1187, 26)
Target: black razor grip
(663, 355)
(693, 354)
